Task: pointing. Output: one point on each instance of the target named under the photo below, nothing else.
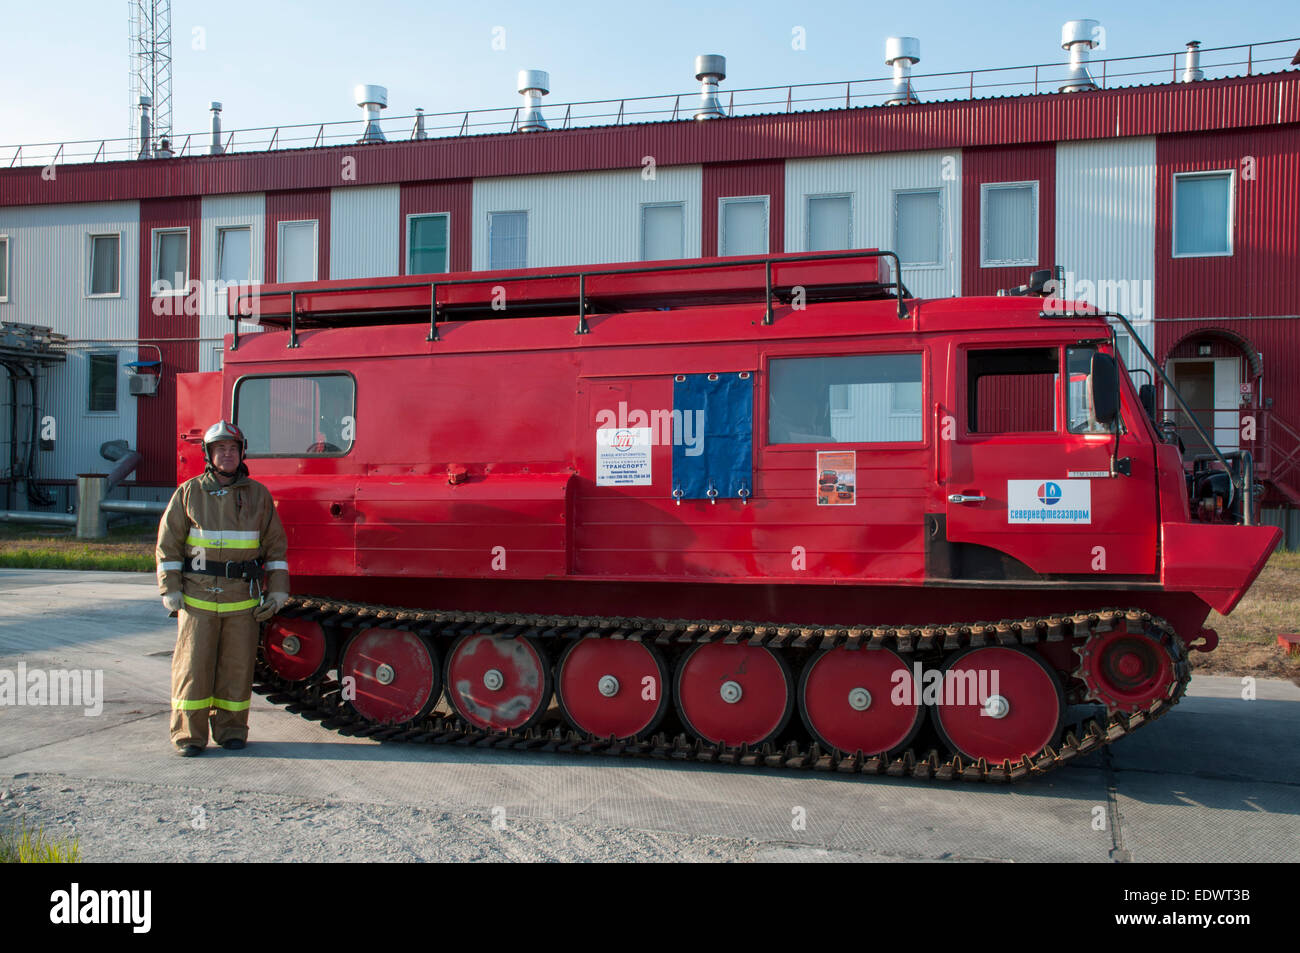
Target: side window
(102, 391)
(297, 416)
(865, 398)
(1078, 369)
(1012, 390)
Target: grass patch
(22, 845)
(125, 549)
(1248, 637)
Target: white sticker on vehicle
(1049, 501)
(623, 456)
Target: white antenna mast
(151, 65)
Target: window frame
(220, 234)
(4, 263)
(942, 211)
(985, 189)
(90, 381)
(234, 412)
(1231, 173)
(1059, 412)
(279, 247)
(681, 205)
(157, 234)
(807, 216)
(89, 290)
(410, 223)
(724, 201)
(764, 410)
(507, 211)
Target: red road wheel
(396, 673)
(296, 649)
(850, 701)
(734, 694)
(1125, 671)
(996, 703)
(612, 687)
(499, 684)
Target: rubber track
(319, 699)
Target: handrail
(958, 84)
(233, 308)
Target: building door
(1211, 388)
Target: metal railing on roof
(1215, 63)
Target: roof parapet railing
(937, 87)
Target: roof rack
(823, 276)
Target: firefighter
(222, 569)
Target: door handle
(960, 498)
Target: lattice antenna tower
(151, 64)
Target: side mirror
(1104, 383)
(1147, 395)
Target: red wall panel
(1258, 278)
(1036, 162)
(456, 197)
(724, 179)
(292, 207)
(164, 321)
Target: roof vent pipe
(533, 84)
(1078, 37)
(215, 147)
(1193, 72)
(902, 53)
(372, 99)
(420, 132)
(710, 69)
(146, 132)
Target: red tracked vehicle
(763, 511)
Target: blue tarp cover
(720, 454)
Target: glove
(274, 603)
(173, 601)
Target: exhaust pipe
(710, 69)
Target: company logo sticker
(1049, 501)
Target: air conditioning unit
(143, 385)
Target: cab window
(293, 416)
(1012, 390)
(863, 398)
(1078, 369)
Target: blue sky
(274, 62)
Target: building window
(426, 244)
(103, 270)
(842, 399)
(102, 395)
(1008, 224)
(742, 226)
(4, 267)
(1203, 214)
(171, 261)
(918, 226)
(830, 222)
(663, 231)
(296, 258)
(234, 253)
(507, 240)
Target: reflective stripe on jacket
(220, 524)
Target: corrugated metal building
(974, 194)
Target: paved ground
(1218, 780)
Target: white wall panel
(224, 211)
(871, 182)
(365, 231)
(585, 218)
(49, 263)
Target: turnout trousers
(212, 676)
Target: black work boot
(233, 744)
(188, 751)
